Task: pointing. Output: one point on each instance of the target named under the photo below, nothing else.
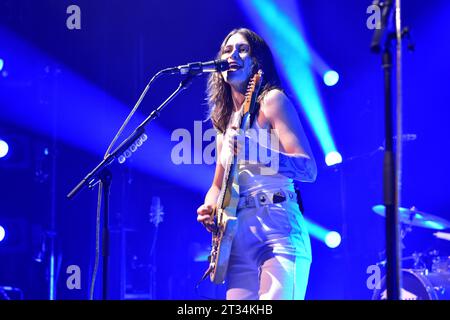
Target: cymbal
(442, 235)
(416, 218)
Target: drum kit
(428, 278)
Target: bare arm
(295, 152)
(214, 190)
(205, 210)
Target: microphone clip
(198, 68)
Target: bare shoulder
(276, 104)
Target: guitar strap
(253, 113)
(247, 122)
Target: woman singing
(271, 251)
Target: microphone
(407, 137)
(197, 68)
(156, 211)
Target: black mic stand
(101, 173)
(383, 40)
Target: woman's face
(237, 52)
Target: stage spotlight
(2, 63)
(280, 23)
(333, 158)
(4, 148)
(333, 239)
(330, 78)
(85, 103)
(2, 233)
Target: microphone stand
(383, 42)
(152, 270)
(101, 173)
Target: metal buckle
(279, 196)
(262, 198)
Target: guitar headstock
(252, 90)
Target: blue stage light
(333, 239)
(86, 103)
(4, 148)
(333, 158)
(331, 78)
(280, 24)
(2, 63)
(2, 233)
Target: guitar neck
(228, 175)
(230, 168)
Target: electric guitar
(224, 213)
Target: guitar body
(224, 214)
(222, 241)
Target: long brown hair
(219, 92)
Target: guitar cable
(197, 285)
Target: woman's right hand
(204, 216)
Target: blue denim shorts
(270, 240)
(272, 229)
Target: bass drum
(419, 285)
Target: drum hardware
(419, 265)
(413, 217)
(441, 264)
(429, 276)
(404, 230)
(419, 286)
